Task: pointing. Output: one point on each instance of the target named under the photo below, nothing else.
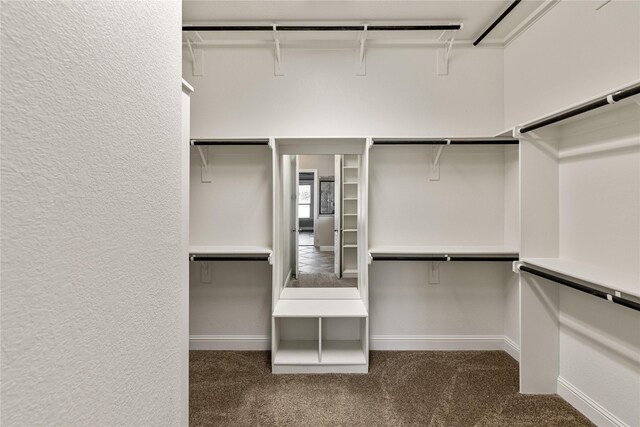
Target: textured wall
(91, 213)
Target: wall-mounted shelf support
(435, 165)
(278, 53)
(205, 175)
(361, 69)
(434, 272)
(205, 272)
(197, 59)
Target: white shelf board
(321, 293)
(349, 230)
(350, 183)
(586, 273)
(320, 308)
(303, 352)
(343, 353)
(443, 250)
(350, 198)
(588, 114)
(348, 214)
(350, 246)
(350, 167)
(350, 271)
(229, 250)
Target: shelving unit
(580, 182)
(350, 178)
(317, 336)
(229, 253)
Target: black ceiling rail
(583, 288)
(442, 27)
(496, 22)
(444, 258)
(262, 141)
(435, 27)
(453, 141)
(228, 258)
(612, 98)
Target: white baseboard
(326, 248)
(512, 348)
(230, 342)
(587, 406)
(436, 342)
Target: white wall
(325, 164)
(549, 67)
(91, 214)
(320, 95)
(401, 95)
(571, 53)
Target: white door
(296, 222)
(337, 228)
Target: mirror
(323, 219)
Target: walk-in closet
(320, 213)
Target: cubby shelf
(320, 308)
(301, 352)
(586, 273)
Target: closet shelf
(226, 142)
(350, 246)
(350, 198)
(588, 273)
(618, 97)
(447, 141)
(350, 183)
(343, 353)
(443, 253)
(320, 308)
(349, 230)
(229, 253)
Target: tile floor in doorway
(317, 270)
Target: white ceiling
(475, 15)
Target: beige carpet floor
(434, 389)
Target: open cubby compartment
(470, 198)
(320, 344)
(344, 341)
(350, 191)
(350, 205)
(350, 161)
(231, 198)
(580, 203)
(298, 341)
(350, 237)
(350, 222)
(350, 259)
(350, 175)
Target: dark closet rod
(459, 141)
(580, 287)
(496, 22)
(440, 258)
(445, 27)
(228, 258)
(600, 102)
(229, 142)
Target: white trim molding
(587, 406)
(230, 342)
(436, 342)
(512, 348)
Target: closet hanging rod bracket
(515, 267)
(361, 65)
(278, 53)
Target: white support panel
(539, 335)
(320, 308)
